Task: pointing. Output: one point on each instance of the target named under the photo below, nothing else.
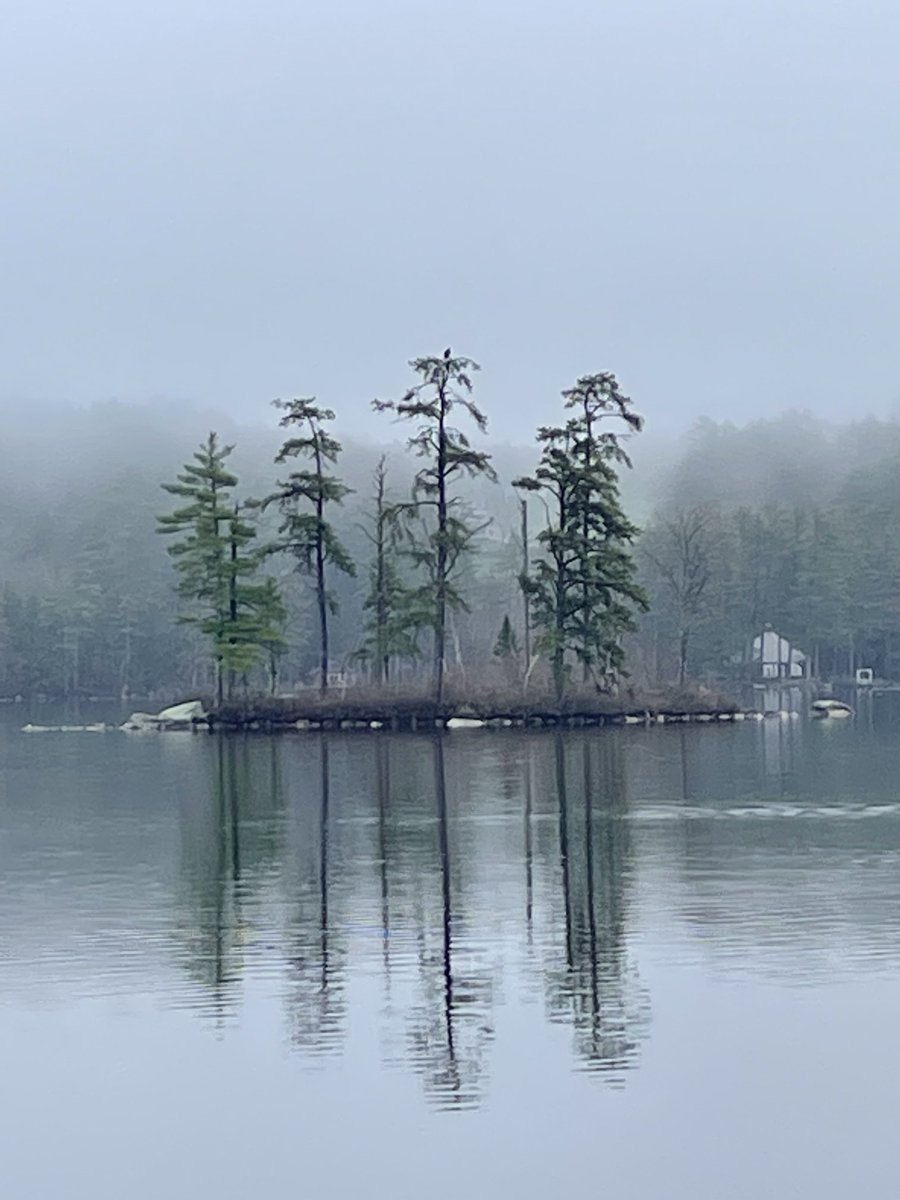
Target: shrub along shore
(373, 710)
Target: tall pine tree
(217, 566)
(440, 532)
(302, 498)
(582, 587)
(595, 399)
(390, 631)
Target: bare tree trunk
(381, 614)
(683, 656)
(232, 597)
(559, 664)
(322, 602)
(526, 605)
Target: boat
(835, 709)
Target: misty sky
(227, 202)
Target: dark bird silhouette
(447, 352)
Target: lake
(637, 963)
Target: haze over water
(663, 961)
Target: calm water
(643, 964)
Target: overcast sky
(227, 202)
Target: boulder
(178, 716)
(140, 722)
(182, 714)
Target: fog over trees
(791, 522)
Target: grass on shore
(365, 702)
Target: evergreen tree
(302, 499)
(440, 531)
(390, 630)
(583, 589)
(506, 646)
(255, 610)
(596, 398)
(215, 563)
(201, 556)
(272, 616)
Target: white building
(776, 658)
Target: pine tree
(272, 616)
(596, 398)
(217, 566)
(390, 631)
(255, 610)
(202, 555)
(506, 646)
(582, 586)
(302, 499)
(440, 532)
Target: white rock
(182, 714)
(140, 722)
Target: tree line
(579, 591)
(789, 524)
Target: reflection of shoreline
(250, 879)
(483, 865)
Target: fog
(795, 518)
(207, 206)
(224, 203)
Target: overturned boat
(178, 716)
(834, 709)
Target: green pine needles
(582, 588)
(579, 583)
(439, 532)
(229, 602)
(303, 498)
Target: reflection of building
(775, 658)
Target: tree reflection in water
(451, 1022)
(316, 1009)
(429, 863)
(592, 986)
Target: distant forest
(790, 522)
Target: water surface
(657, 963)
